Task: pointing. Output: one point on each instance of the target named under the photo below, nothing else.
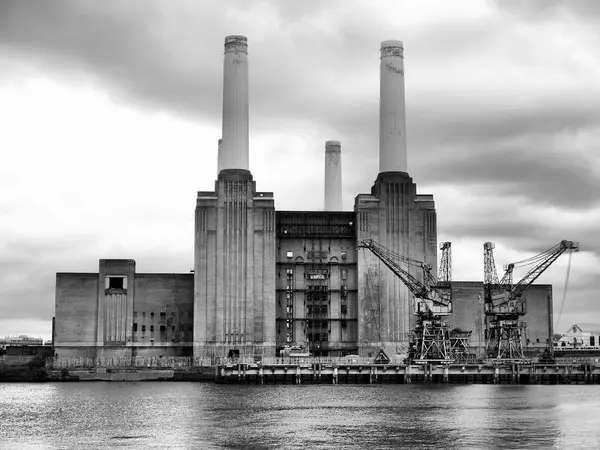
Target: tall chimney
(234, 148)
(333, 176)
(220, 157)
(392, 117)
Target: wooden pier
(304, 372)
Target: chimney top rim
(392, 43)
(236, 37)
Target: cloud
(588, 10)
(501, 109)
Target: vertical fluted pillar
(392, 117)
(234, 147)
(333, 176)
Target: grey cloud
(544, 9)
(28, 269)
(530, 233)
(538, 175)
(123, 45)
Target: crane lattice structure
(459, 339)
(431, 304)
(504, 303)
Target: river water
(206, 415)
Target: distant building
(21, 339)
(584, 336)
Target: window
(143, 328)
(173, 328)
(152, 315)
(115, 282)
(290, 254)
(288, 324)
(344, 255)
(152, 328)
(344, 309)
(163, 314)
(592, 341)
(134, 327)
(344, 274)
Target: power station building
(263, 278)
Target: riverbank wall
(296, 370)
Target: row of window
(163, 314)
(318, 324)
(162, 328)
(316, 254)
(317, 337)
(316, 309)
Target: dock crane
(505, 304)
(432, 302)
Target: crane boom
(418, 289)
(541, 261)
(535, 272)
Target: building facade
(264, 279)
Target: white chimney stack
(220, 157)
(234, 147)
(392, 117)
(333, 176)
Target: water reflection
(196, 415)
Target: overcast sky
(110, 114)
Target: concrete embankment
(36, 369)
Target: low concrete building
(118, 312)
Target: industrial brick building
(263, 278)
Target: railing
(291, 360)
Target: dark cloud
(123, 45)
(539, 175)
(529, 231)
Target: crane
(432, 301)
(504, 302)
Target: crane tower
(432, 301)
(504, 302)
